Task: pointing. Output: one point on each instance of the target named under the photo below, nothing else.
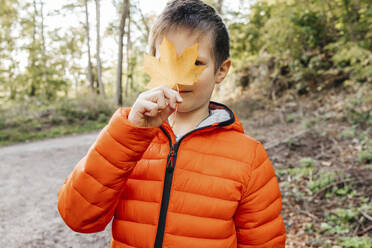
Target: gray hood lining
(215, 115)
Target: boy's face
(198, 94)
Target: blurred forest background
(301, 83)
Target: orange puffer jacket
(214, 188)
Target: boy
(202, 184)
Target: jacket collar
(230, 122)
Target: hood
(223, 115)
(219, 116)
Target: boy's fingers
(162, 95)
(172, 95)
(157, 97)
(179, 98)
(170, 92)
(162, 104)
(149, 108)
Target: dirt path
(30, 176)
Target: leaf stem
(175, 113)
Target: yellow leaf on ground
(172, 69)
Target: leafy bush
(311, 27)
(85, 108)
(353, 59)
(314, 47)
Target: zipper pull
(171, 156)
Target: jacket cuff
(121, 129)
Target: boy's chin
(186, 107)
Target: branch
(365, 214)
(304, 212)
(365, 230)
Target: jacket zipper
(171, 163)
(166, 191)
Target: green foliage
(355, 242)
(14, 135)
(343, 221)
(292, 30)
(343, 216)
(348, 133)
(245, 34)
(34, 119)
(298, 173)
(352, 59)
(322, 179)
(303, 170)
(365, 156)
(312, 29)
(314, 44)
(339, 221)
(307, 162)
(343, 191)
(333, 229)
(358, 111)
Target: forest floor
(322, 157)
(324, 181)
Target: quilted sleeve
(257, 219)
(89, 196)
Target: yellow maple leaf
(171, 69)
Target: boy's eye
(199, 62)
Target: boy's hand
(154, 106)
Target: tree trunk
(145, 23)
(32, 52)
(48, 93)
(12, 86)
(129, 64)
(219, 6)
(90, 70)
(124, 13)
(99, 65)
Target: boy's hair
(196, 16)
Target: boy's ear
(222, 71)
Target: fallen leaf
(326, 163)
(171, 69)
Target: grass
(15, 135)
(34, 119)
